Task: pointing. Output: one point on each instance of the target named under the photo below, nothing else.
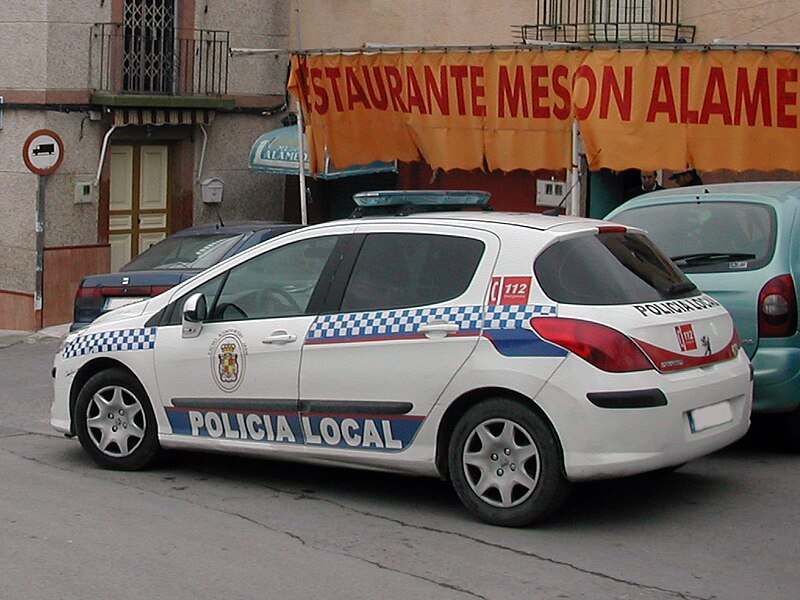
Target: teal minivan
(740, 243)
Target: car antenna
(556, 210)
(219, 217)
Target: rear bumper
(776, 379)
(612, 442)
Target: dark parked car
(167, 263)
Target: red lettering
(715, 87)
(459, 74)
(395, 81)
(322, 103)
(750, 102)
(478, 90)
(513, 95)
(585, 72)
(687, 115)
(334, 74)
(561, 111)
(539, 92)
(662, 85)
(624, 100)
(380, 102)
(355, 92)
(438, 93)
(302, 83)
(415, 93)
(786, 98)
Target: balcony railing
(606, 21)
(158, 61)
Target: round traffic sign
(43, 152)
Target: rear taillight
(159, 289)
(777, 308)
(88, 303)
(602, 346)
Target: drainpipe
(202, 153)
(106, 137)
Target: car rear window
(185, 252)
(709, 237)
(609, 268)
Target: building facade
(372, 25)
(148, 104)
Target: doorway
(139, 203)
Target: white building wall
(775, 22)
(352, 23)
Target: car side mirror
(194, 313)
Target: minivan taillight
(603, 347)
(777, 308)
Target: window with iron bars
(149, 59)
(606, 21)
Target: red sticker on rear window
(510, 290)
(686, 339)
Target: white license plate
(710, 416)
(118, 301)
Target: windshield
(189, 252)
(609, 268)
(704, 237)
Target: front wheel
(115, 421)
(505, 464)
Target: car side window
(278, 283)
(398, 270)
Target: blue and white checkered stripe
(512, 316)
(112, 341)
(405, 322)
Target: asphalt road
(207, 526)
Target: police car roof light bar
(406, 202)
(450, 198)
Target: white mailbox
(211, 190)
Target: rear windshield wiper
(707, 258)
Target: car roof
(538, 221)
(777, 191)
(235, 227)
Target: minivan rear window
(609, 268)
(709, 237)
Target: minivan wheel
(505, 464)
(788, 428)
(115, 422)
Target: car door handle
(280, 337)
(440, 327)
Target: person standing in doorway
(649, 183)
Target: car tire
(506, 465)
(788, 430)
(115, 422)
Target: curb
(9, 337)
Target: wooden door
(139, 200)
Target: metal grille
(181, 62)
(608, 21)
(148, 64)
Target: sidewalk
(9, 337)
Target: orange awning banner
(513, 108)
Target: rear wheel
(115, 421)
(505, 464)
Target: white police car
(510, 353)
